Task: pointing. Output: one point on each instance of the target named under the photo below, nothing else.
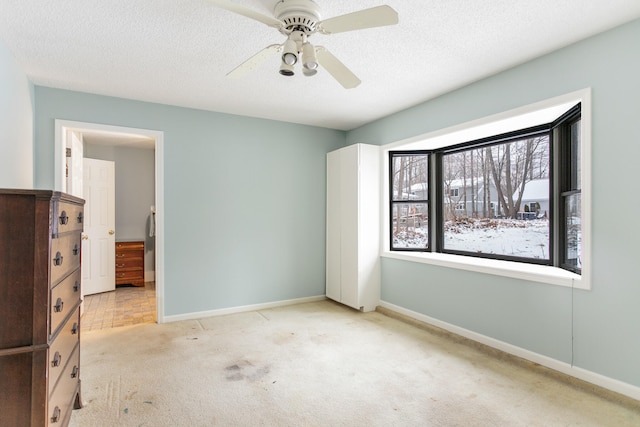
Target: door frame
(61, 129)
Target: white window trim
(519, 118)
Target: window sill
(516, 270)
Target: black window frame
(569, 181)
(562, 175)
(393, 203)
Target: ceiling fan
(298, 20)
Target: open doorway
(74, 139)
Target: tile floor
(127, 305)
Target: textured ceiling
(178, 51)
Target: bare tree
(486, 153)
(400, 173)
(453, 174)
(511, 170)
(408, 172)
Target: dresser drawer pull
(76, 286)
(64, 219)
(119, 255)
(80, 218)
(120, 265)
(56, 415)
(56, 360)
(74, 372)
(74, 329)
(59, 305)
(58, 259)
(76, 249)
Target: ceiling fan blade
(368, 18)
(249, 13)
(337, 69)
(252, 63)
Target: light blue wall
(605, 321)
(16, 124)
(244, 198)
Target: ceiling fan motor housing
(298, 15)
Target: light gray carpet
(321, 364)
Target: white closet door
(349, 168)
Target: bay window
(514, 196)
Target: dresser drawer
(65, 256)
(62, 347)
(64, 298)
(68, 217)
(123, 276)
(62, 397)
(122, 247)
(129, 262)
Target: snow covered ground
(511, 237)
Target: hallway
(127, 305)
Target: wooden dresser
(130, 263)
(40, 245)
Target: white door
(99, 239)
(349, 238)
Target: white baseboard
(565, 368)
(149, 276)
(241, 309)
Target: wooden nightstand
(130, 263)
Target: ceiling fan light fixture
(309, 60)
(290, 58)
(309, 72)
(286, 69)
(290, 52)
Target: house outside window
(513, 197)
